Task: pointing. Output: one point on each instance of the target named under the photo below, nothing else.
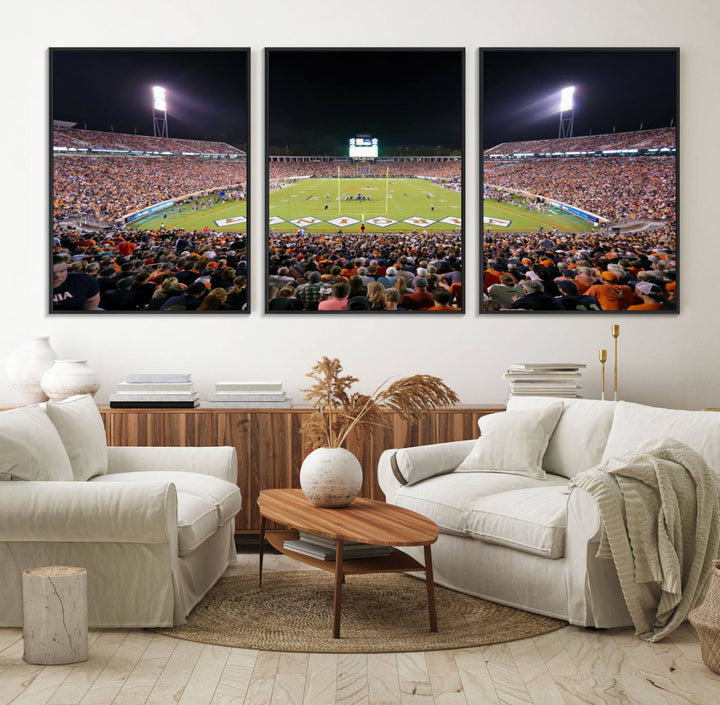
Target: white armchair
(154, 532)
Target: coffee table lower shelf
(396, 562)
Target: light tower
(160, 128)
(566, 112)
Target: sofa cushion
(223, 495)
(513, 442)
(30, 447)
(635, 423)
(532, 520)
(421, 462)
(81, 429)
(197, 521)
(581, 434)
(446, 499)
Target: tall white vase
(25, 366)
(331, 477)
(66, 378)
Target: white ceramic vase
(66, 378)
(25, 367)
(331, 477)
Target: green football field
(198, 219)
(313, 205)
(322, 205)
(523, 220)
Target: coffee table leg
(430, 588)
(337, 598)
(261, 548)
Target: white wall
(664, 360)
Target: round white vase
(25, 366)
(331, 477)
(66, 378)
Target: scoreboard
(363, 146)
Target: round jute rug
(380, 613)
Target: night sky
(521, 93)
(318, 99)
(207, 91)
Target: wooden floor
(132, 667)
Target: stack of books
(155, 391)
(323, 548)
(544, 379)
(247, 395)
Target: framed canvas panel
(579, 181)
(365, 173)
(149, 180)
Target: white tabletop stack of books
(544, 379)
(247, 395)
(156, 391)
(323, 548)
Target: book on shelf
(544, 379)
(327, 553)
(248, 396)
(140, 404)
(559, 382)
(246, 404)
(542, 385)
(155, 396)
(326, 540)
(158, 377)
(248, 387)
(128, 387)
(545, 366)
(528, 376)
(568, 394)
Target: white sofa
(527, 541)
(154, 527)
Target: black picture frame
(524, 164)
(109, 94)
(293, 66)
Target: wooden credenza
(270, 443)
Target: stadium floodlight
(159, 102)
(160, 128)
(566, 98)
(567, 110)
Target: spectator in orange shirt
(612, 295)
(125, 248)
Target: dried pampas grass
(338, 410)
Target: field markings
(520, 215)
(409, 199)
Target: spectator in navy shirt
(73, 291)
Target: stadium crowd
(168, 270)
(106, 188)
(374, 271)
(641, 139)
(92, 139)
(399, 169)
(552, 271)
(628, 264)
(616, 188)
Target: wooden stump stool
(55, 615)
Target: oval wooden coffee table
(366, 521)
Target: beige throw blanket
(659, 508)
